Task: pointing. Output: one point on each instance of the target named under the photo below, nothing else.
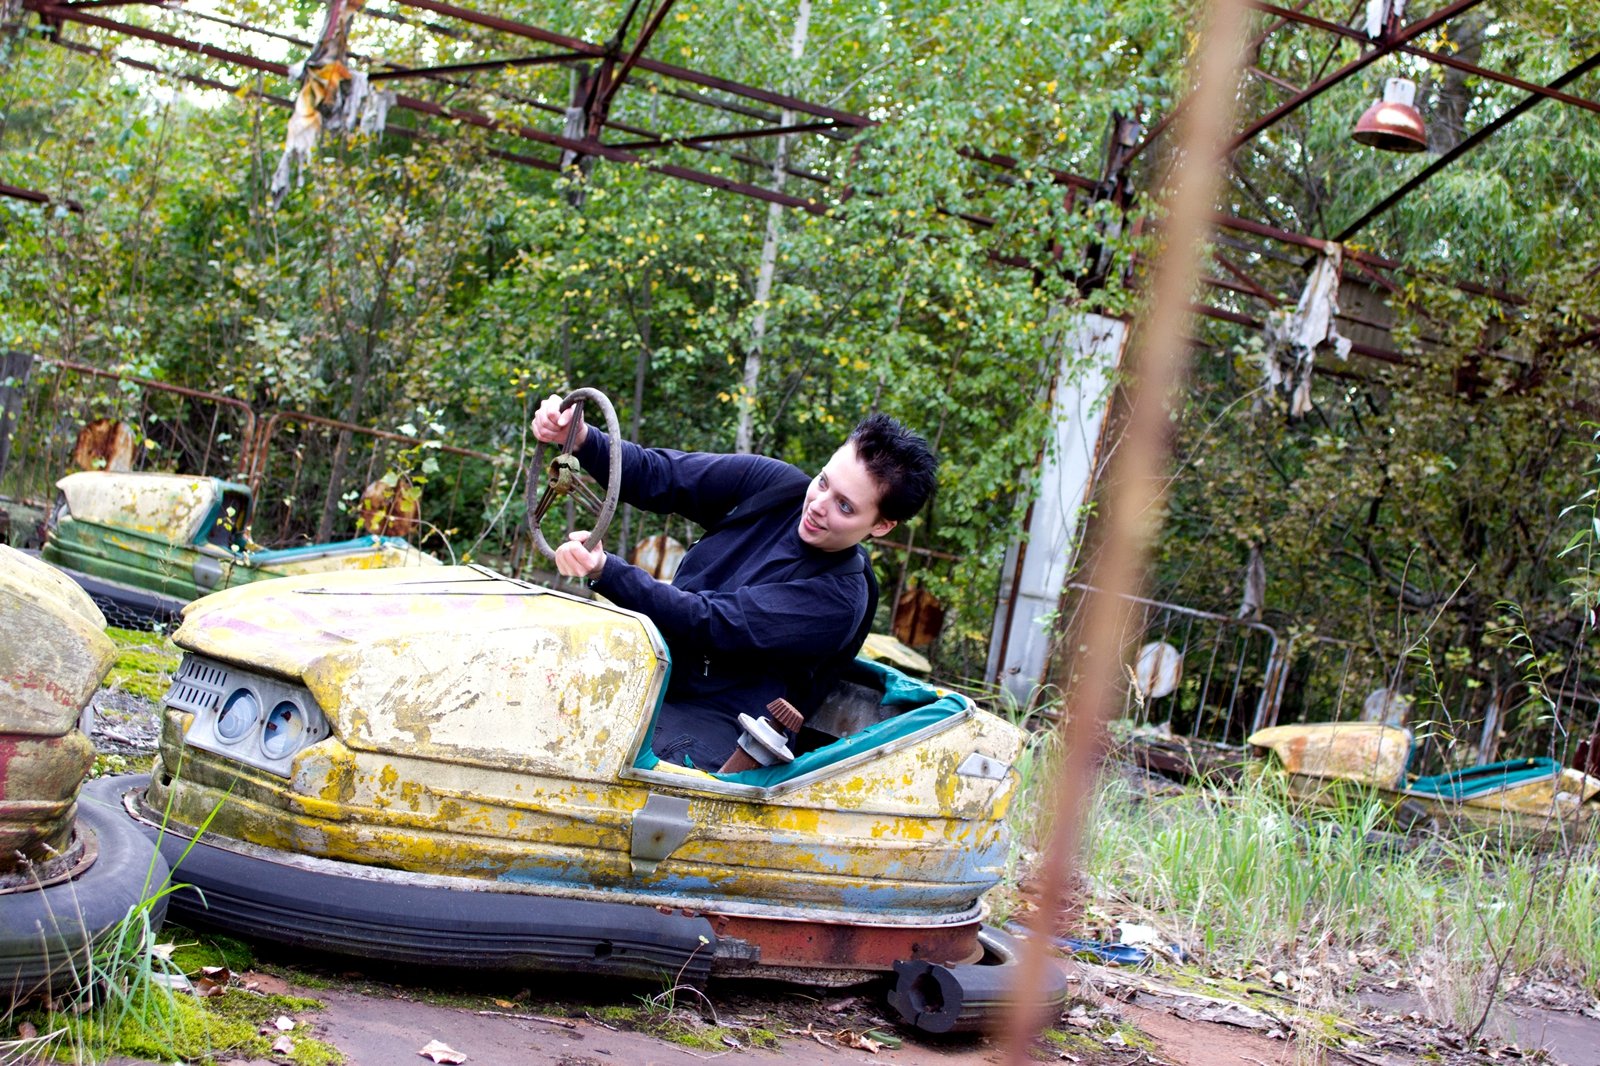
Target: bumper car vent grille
(197, 686)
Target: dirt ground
(1115, 1018)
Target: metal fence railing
(44, 408)
(309, 474)
(1219, 679)
(1227, 674)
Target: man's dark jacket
(753, 612)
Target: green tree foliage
(1421, 498)
(415, 274)
(426, 273)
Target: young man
(773, 591)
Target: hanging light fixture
(1393, 123)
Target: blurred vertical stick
(1159, 356)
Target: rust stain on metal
(1368, 753)
(488, 730)
(52, 659)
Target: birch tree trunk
(744, 431)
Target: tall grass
(1247, 877)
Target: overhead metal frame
(618, 61)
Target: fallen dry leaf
(441, 1052)
(852, 1039)
(205, 987)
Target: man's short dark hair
(900, 462)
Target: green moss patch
(682, 1027)
(160, 1025)
(144, 664)
(193, 952)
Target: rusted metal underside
(808, 945)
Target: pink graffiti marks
(8, 750)
(33, 680)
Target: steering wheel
(565, 478)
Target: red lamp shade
(1393, 123)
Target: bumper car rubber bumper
(47, 933)
(439, 921)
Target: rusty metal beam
(1244, 278)
(1253, 51)
(1505, 79)
(1436, 57)
(608, 91)
(284, 102)
(531, 161)
(1383, 47)
(734, 135)
(192, 79)
(595, 148)
(468, 68)
(1466, 145)
(1282, 83)
(1356, 255)
(620, 154)
(536, 33)
(472, 118)
(662, 89)
(1222, 314)
(33, 196)
(224, 55)
(1007, 162)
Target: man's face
(842, 504)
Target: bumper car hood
(433, 656)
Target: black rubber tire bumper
(436, 921)
(47, 935)
(972, 998)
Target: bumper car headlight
(227, 704)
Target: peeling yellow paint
(171, 506)
(486, 729)
(54, 651)
(1368, 753)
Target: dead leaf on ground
(211, 981)
(860, 1041)
(439, 1051)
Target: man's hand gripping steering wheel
(560, 421)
